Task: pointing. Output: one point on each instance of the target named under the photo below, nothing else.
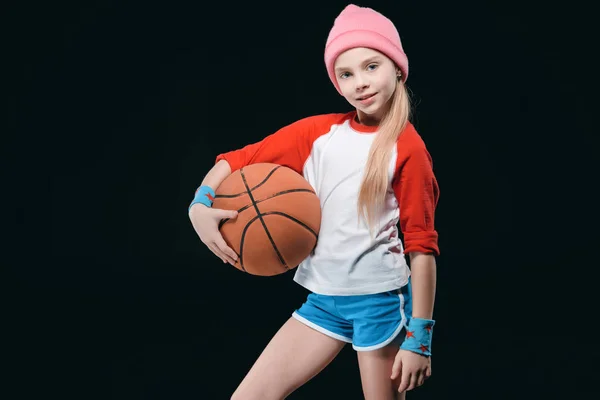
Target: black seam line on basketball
(242, 241)
(229, 196)
(293, 219)
(241, 255)
(267, 198)
(262, 221)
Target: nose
(360, 82)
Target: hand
(412, 367)
(206, 224)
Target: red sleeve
(290, 146)
(417, 192)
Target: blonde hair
(374, 184)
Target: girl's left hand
(412, 367)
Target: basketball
(278, 221)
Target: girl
(371, 170)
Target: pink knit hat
(363, 27)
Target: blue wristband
(204, 195)
(418, 336)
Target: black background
(116, 110)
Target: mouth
(366, 97)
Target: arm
(289, 146)
(205, 219)
(409, 361)
(217, 174)
(212, 180)
(423, 276)
(417, 193)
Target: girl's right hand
(206, 224)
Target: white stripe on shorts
(393, 335)
(321, 329)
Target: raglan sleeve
(417, 192)
(289, 146)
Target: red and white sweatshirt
(330, 151)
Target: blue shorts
(369, 321)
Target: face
(367, 79)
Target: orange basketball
(278, 221)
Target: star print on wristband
(411, 334)
(418, 336)
(204, 195)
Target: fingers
(221, 250)
(396, 368)
(229, 254)
(228, 214)
(213, 247)
(428, 371)
(409, 381)
(413, 375)
(405, 382)
(414, 380)
(206, 225)
(420, 378)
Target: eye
(372, 67)
(344, 75)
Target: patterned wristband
(204, 195)
(418, 336)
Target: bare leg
(375, 371)
(294, 356)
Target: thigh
(294, 356)
(375, 371)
